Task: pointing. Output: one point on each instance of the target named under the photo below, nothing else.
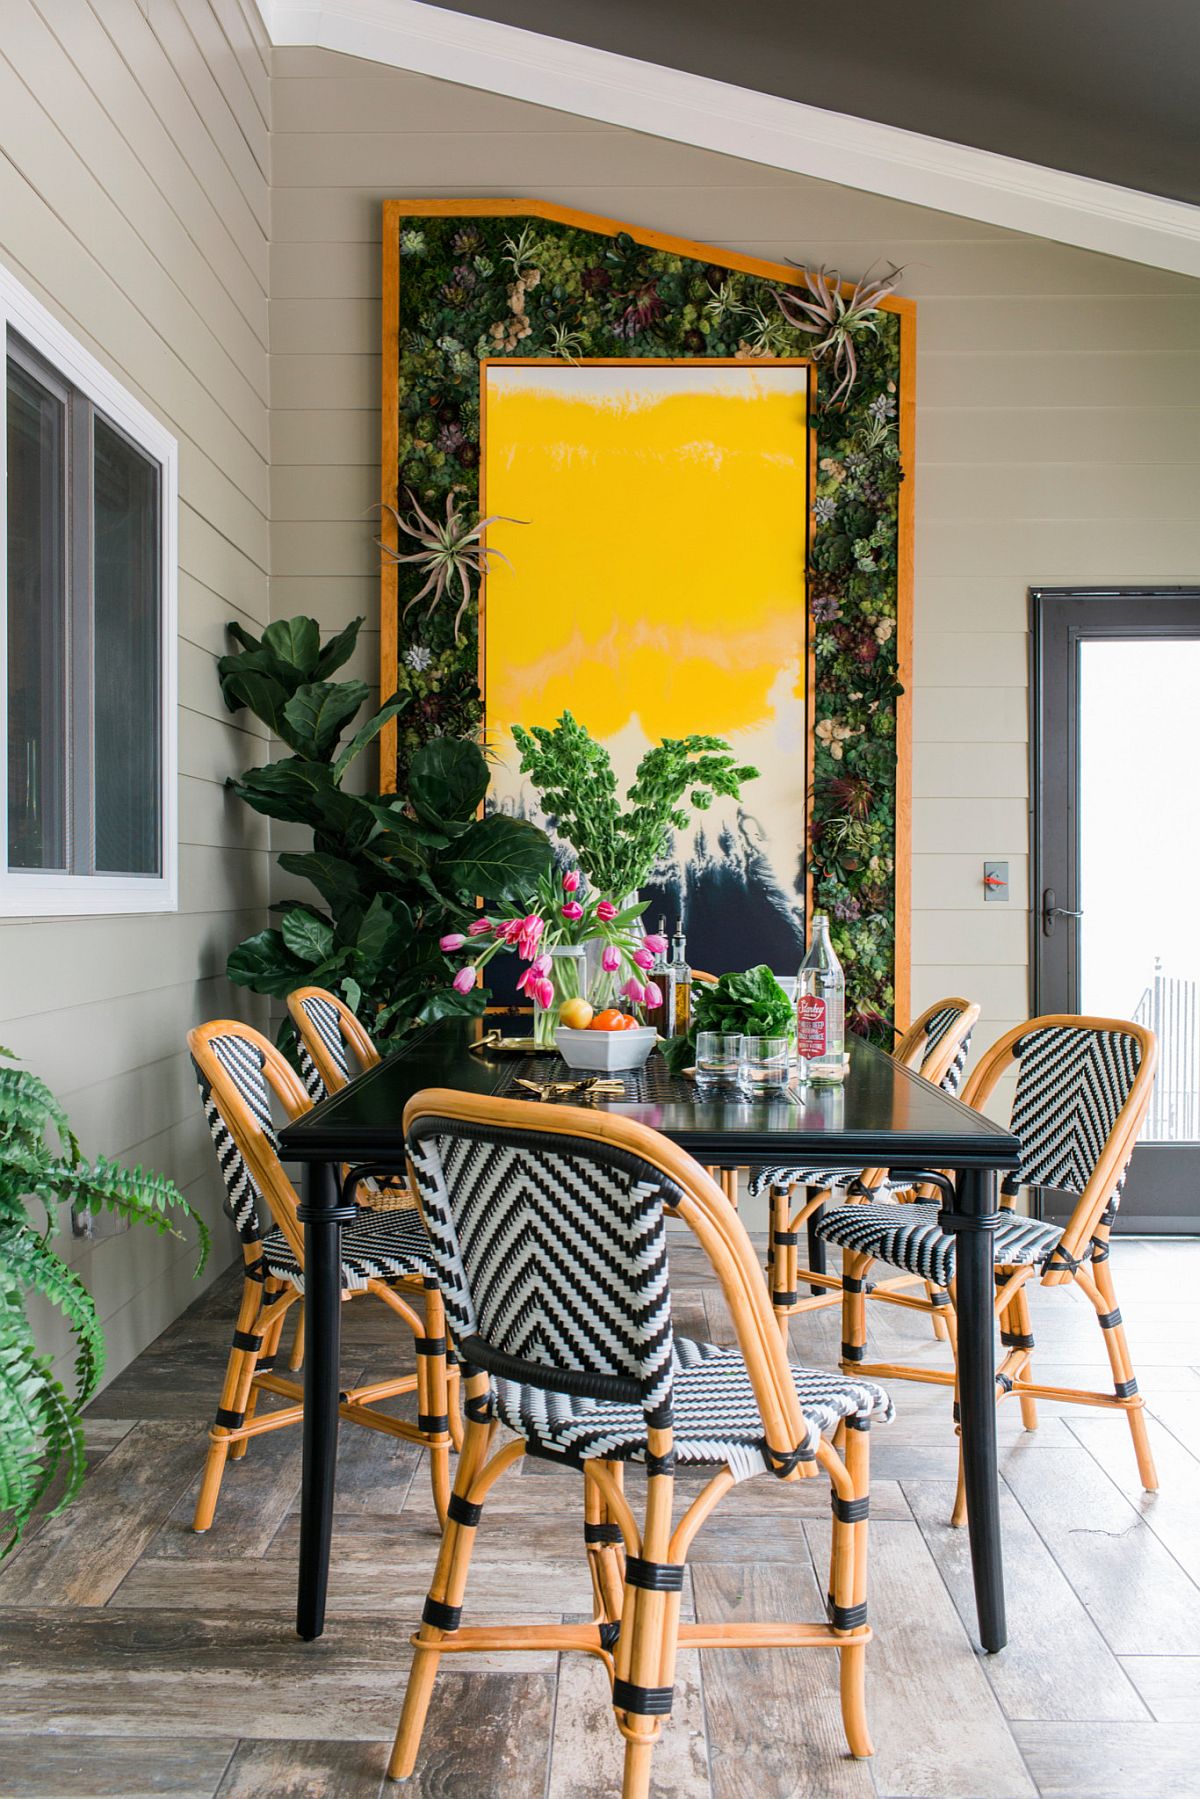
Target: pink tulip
(529, 936)
(571, 880)
(464, 980)
(451, 941)
(543, 993)
(634, 990)
(656, 943)
(542, 965)
(610, 961)
(480, 928)
(653, 994)
(643, 958)
(510, 931)
(572, 910)
(606, 910)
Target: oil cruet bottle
(821, 1010)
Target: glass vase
(568, 977)
(603, 985)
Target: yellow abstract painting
(655, 587)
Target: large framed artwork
(653, 536)
(695, 533)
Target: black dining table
(881, 1116)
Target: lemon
(576, 1014)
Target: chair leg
(434, 1396)
(781, 1257)
(296, 1359)
(939, 1323)
(645, 1655)
(235, 1391)
(848, 1588)
(1016, 1332)
(1104, 1298)
(445, 1596)
(265, 1359)
(854, 1308)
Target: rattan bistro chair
(1083, 1087)
(547, 1225)
(328, 1035)
(386, 1254)
(936, 1046)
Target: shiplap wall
(1057, 401)
(135, 204)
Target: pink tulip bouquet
(561, 915)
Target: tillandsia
(41, 1430)
(450, 550)
(617, 846)
(836, 319)
(561, 914)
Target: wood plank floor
(139, 1659)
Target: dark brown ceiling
(1107, 88)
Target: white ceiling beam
(736, 121)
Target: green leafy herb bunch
(749, 1004)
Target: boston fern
(396, 871)
(617, 847)
(41, 1431)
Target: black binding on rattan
(602, 1533)
(247, 1340)
(610, 1635)
(442, 1617)
(850, 1511)
(847, 1617)
(644, 1702)
(463, 1511)
(435, 1423)
(230, 1420)
(431, 1345)
(654, 1577)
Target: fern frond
(28, 1105)
(27, 1262)
(40, 1428)
(135, 1193)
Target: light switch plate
(995, 881)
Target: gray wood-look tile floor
(140, 1659)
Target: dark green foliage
(474, 287)
(749, 1004)
(41, 1431)
(395, 873)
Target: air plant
(566, 342)
(518, 251)
(450, 551)
(836, 319)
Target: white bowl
(605, 1052)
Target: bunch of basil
(750, 1004)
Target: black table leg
(973, 1222)
(816, 1248)
(322, 1217)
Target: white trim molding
(39, 893)
(715, 115)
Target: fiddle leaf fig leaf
(317, 713)
(295, 640)
(308, 937)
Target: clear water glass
(717, 1059)
(763, 1065)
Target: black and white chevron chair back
(937, 1027)
(322, 1014)
(552, 1258)
(244, 1064)
(1072, 1082)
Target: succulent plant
(836, 319)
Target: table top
(881, 1114)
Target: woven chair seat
(716, 1416)
(912, 1238)
(763, 1178)
(378, 1246)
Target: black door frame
(1054, 635)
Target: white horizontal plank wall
(1058, 440)
(135, 204)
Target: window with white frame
(87, 584)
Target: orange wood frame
(786, 275)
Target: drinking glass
(717, 1059)
(763, 1065)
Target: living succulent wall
(474, 286)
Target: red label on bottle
(810, 1026)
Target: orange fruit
(576, 1014)
(609, 1020)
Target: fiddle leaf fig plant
(41, 1431)
(394, 872)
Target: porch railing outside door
(1171, 1009)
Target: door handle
(1051, 911)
